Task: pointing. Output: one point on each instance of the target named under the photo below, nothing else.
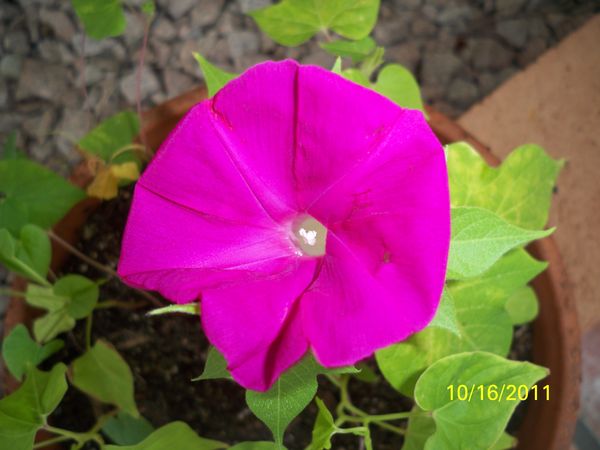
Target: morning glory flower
(305, 211)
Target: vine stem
(107, 270)
(12, 293)
(54, 440)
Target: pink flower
(305, 210)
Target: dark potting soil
(166, 352)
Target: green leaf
(522, 306)
(480, 238)
(72, 297)
(111, 138)
(255, 445)
(103, 374)
(10, 150)
(124, 429)
(372, 62)
(445, 317)
(24, 411)
(366, 374)
(287, 398)
(215, 367)
(101, 18)
(21, 353)
(29, 256)
(505, 442)
(32, 194)
(337, 66)
(214, 77)
(292, 22)
(82, 294)
(176, 436)
(477, 423)
(357, 77)
(357, 50)
(399, 85)
(513, 271)
(188, 308)
(519, 191)
(419, 429)
(324, 428)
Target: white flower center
(310, 236)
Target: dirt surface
(166, 352)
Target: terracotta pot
(548, 425)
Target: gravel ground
(55, 85)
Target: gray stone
(319, 57)
(439, 68)
(250, 5)
(509, 8)
(39, 125)
(176, 82)
(230, 22)
(407, 5)
(149, 85)
(55, 51)
(134, 32)
(163, 29)
(393, 31)
(10, 66)
(488, 81)
(42, 80)
(533, 49)
(513, 31)
(406, 54)
(3, 94)
(9, 122)
(59, 22)
(538, 29)
(186, 31)
(486, 53)
(159, 53)
(454, 15)
(177, 8)
(242, 43)
(16, 42)
(422, 28)
(72, 127)
(183, 56)
(208, 14)
(462, 92)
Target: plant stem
(118, 304)
(107, 270)
(79, 437)
(51, 441)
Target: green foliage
(101, 18)
(419, 429)
(337, 66)
(522, 306)
(399, 85)
(394, 82)
(356, 50)
(188, 308)
(324, 428)
(124, 429)
(504, 442)
(292, 22)
(21, 353)
(110, 140)
(519, 191)
(480, 238)
(478, 422)
(28, 256)
(32, 194)
(215, 367)
(214, 77)
(149, 8)
(24, 412)
(173, 436)
(445, 316)
(103, 374)
(287, 398)
(72, 297)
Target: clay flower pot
(548, 425)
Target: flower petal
(339, 125)
(178, 251)
(256, 325)
(389, 223)
(256, 113)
